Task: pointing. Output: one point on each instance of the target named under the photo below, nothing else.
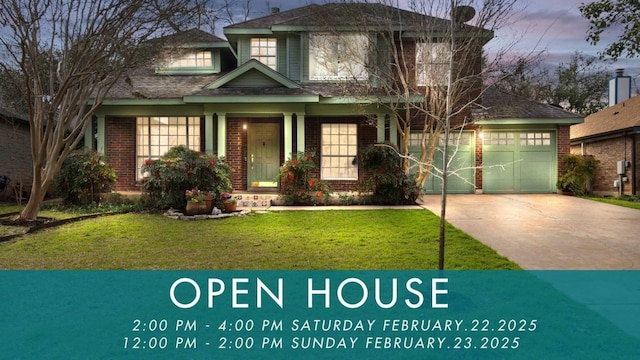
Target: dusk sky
(555, 26)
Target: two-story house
(284, 83)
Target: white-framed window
(265, 50)
(455, 139)
(499, 138)
(339, 148)
(195, 59)
(157, 134)
(338, 56)
(535, 139)
(432, 63)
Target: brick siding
(608, 152)
(121, 151)
(564, 147)
(367, 135)
(478, 154)
(15, 152)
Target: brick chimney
(619, 88)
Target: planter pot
(229, 206)
(195, 208)
(208, 200)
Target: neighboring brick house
(15, 151)
(262, 95)
(611, 136)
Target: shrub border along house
(180, 170)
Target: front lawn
(329, 240)
(630, 202)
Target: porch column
(380, 125)
(208, 134)
(300, 131)
(102, 134)
(222, 134)
(393, 130)
(288, 135)
(88, 136)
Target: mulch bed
(39, 223)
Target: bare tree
(426, 68)
(579, 85)
(525, 77)
(66, 55)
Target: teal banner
(319, 315)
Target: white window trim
(262, 51)
(352, 149)
(189, 123)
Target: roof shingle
(497, 104)
(617, 118)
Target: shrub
(297, 186)
(577, 170)
(385, 178)
(180, 169)
(83, 177)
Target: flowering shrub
(84, 176)
(195, 195)
(385, 178)
(297, 186)
(180, 169)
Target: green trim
(253, 65)
(500, 127)
(543, 121)
(188, 71)
(254, 110)
(237, 31)
(367, 100)
(139, 102)
(243, 99)
(151, 110)
(201, 45)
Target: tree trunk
(30, 212)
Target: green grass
(620, 202)
(331, 240)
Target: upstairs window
(432, 63)
(188, 62)
(191, 60)
(338, 56)
(265, 51)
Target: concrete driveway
(548, 231)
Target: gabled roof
(499, 107)
(194, 38)
(146, 84)
(257, 69)
(621, 117)
(342, 16)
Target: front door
(263, 156)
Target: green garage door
(519, 161)
(461, 169)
